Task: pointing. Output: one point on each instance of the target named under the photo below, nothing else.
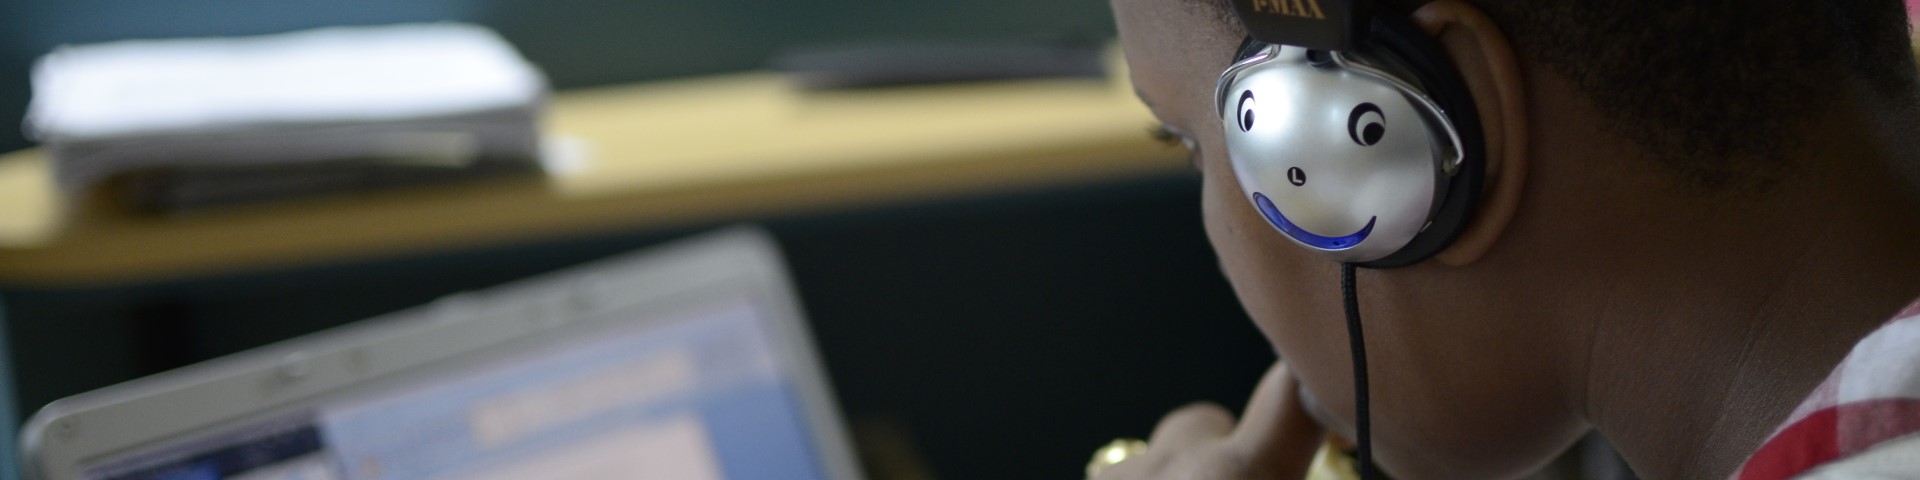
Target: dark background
(1001, 335)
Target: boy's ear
(1486, 62)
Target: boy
(1697, 221)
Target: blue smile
(1325, 243)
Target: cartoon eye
(1366, 124)
(1246, 110)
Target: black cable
(1359, 342)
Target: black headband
(1336, 25)
(1316, 24)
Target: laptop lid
(688, 361)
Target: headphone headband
(1334, 25)
(1337, 25)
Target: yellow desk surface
(655, 154)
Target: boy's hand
(1276, 439)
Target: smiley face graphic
(1366, 125)
(1339, 160)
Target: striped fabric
(1869, 401)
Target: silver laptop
(684, 362)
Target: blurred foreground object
(1114, 452)
(688, 361)
(199, 122)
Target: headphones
(1351, 133)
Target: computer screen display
(701, 396)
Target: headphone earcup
(1367, 187)
(1422, 54)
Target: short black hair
(1711, 88)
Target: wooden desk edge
(524, 210)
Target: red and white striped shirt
(1863, 421)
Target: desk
(657, 154)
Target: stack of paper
(206, 121)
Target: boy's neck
(1690, 372)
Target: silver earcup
(1339, 156)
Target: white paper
(325, 76)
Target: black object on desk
(896, 64)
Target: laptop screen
(696, 397)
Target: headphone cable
(1359, 343)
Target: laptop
(687, 362)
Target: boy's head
(1630, 145)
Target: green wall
(577, 42)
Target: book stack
(190, 123)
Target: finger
(1189, 425)
(1276, 431)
